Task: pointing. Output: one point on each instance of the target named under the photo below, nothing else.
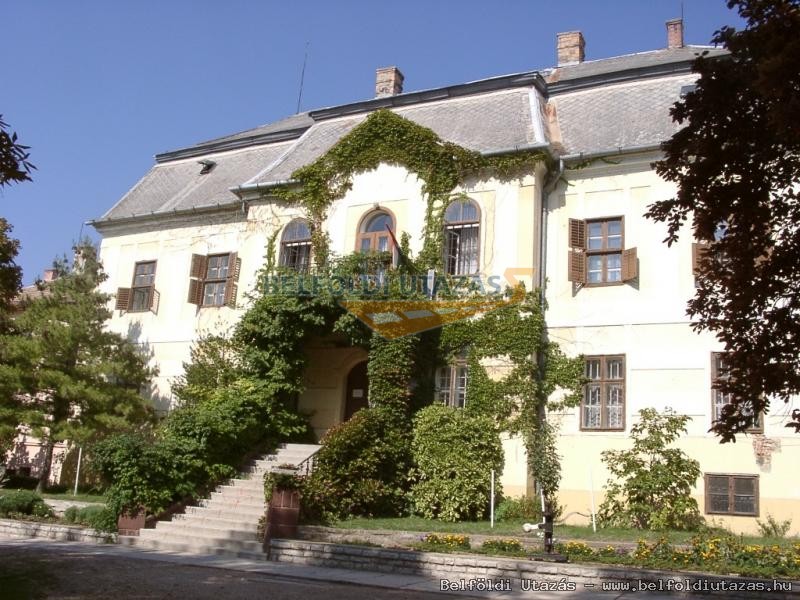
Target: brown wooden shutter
(123, 299)
(230, 294)
(234, 267)
(199, 266)
(576, 269)
(155, 300)
(698, 250)
(577, 234)
(195, 292)
(630, 264)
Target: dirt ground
(73, 573)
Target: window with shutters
(731, 494)
(719, 399)
(461, 237)
(213, 279)
(296, 246)
(451, 384)
(603, 406)
(597, 254)
(142, 296)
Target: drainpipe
(550, 184)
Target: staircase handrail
(306, 466)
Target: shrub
(360, 470)
(524, 508)
(774, 528)
(196, 446)
(24, 502)
(447, 541)
(652, 483)
(509, 546)
(454, 453)
(100, 518)
(71, 515)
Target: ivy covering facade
(511, 340)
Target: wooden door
(357, 389)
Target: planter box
(130, 523)
(283, 513)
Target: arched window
(296, 246)
(374, 233)
(461, 237)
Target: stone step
(172, 528)
(310, 448)
(215, 522)
(192, 547)
(206, 537)
(233, 514)
(239, 491)
(203, 539)
(217, 500)
(247, 484)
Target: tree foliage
(652, 483)
(737, 166)
(69, 376)
(14, 163)
(454, 454)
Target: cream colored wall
(506, 239)
(667, 363)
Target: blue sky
(96, 88)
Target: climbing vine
(513, 368)
(385, 137)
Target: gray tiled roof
(624, 115)
(178, 185)
(640, 60)
(291, 122)
(603, 105)
(485, 123)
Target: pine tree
(72, 378)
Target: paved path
(36, 568)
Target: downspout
(541, 408)
(549, 186)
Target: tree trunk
(44, 474)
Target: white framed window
(451, 384)
(462, 237)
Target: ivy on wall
(385, 137)
(402, 371)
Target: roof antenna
(302, 78)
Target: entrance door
(357, 386)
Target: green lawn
(77, 498)
(514, 528)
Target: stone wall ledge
(54, 531)
(586, 576)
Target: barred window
(603, 406)
(462, 237)
(296, 246)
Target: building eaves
(482, 86)
(630, 67)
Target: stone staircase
(227, 522)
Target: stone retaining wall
(66, 533)
(458, 570)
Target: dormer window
(206, 166)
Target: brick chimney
(388, 82)
(50, 275)
(675, 33)
(570, 48)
